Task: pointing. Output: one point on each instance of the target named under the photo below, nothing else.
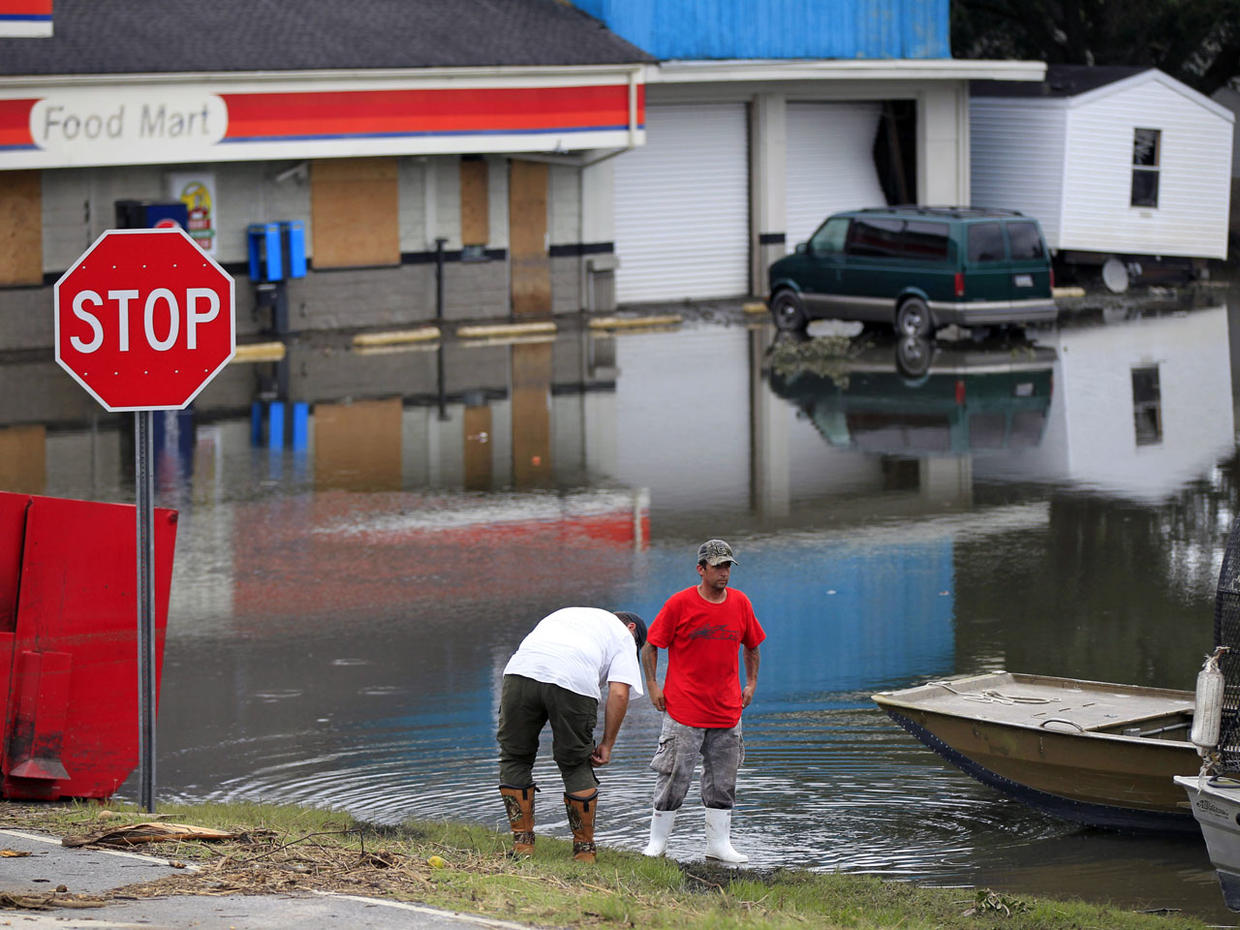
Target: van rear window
(925, 240)
(1024, 240)
(985, 242)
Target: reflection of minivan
(917, 268)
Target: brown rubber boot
(581, 820)
(519, 803)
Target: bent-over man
(558, 675)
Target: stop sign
(144, 319)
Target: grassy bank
(464, 868)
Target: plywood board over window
(475, 219)
(354, 212)
(21, 228)
(527, 233)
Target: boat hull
(1044, 742)
(1216, 805)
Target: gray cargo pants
(722, 751)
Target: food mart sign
(129, 123)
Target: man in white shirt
(557, 675)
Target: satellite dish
(1115, 275)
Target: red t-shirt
(703, 687)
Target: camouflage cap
(715, 552)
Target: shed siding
(726, 29)
(1194, 184)
(1016, 153)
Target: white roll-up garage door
(830, 163)
(682, 206)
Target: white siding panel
(1016, 157)
(829, 163)
(1194, 184)
(682, 206)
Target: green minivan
(917, 268)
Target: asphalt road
(96, 872)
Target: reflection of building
(1141, 406)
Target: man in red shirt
(702, 628)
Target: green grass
(297, 848)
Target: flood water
(344, 600)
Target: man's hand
(656, 694)
(650, 667)
(613, 716)
(747, 694)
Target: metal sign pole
(144, 489)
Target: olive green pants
(525, 707)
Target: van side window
(1024, 241)
(925, 241)
(985, 242)
(875, 237)
(830, 236)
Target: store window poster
(197, 191)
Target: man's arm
(752, 660)
(613, 716)
(650, 668)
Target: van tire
(913, 318)
(788, 311)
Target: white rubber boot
(719, 837)
(660, 829)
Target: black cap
(639, 631)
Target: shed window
(1146, 156)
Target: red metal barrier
(69, 643)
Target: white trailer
(1127, 169)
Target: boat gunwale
(890, 700)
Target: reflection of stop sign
(144, 319)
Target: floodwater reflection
(365, 538)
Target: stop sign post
(144, 320)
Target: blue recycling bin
(277, 250)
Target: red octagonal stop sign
(144, 319)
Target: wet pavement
(97, 872)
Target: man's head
(635, 624)
(715, 552)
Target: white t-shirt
(580, 649)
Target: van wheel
(913, 318)
(788, 311)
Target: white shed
(1113, 162)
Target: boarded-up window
(354, 212)
(475, 225)
(21, 227)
